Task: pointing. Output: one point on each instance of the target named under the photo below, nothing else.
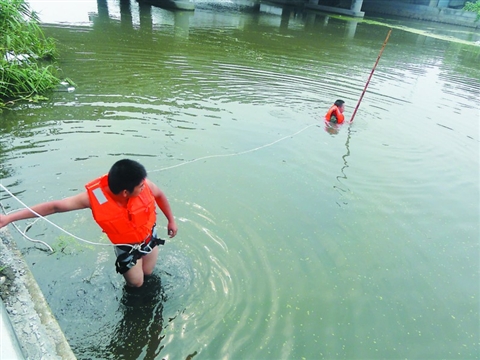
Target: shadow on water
(103, 319)
(140, 329)
(135, 331)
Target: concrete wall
(435, 3)
(9, 344)
(344, 7)
(421, 12)
(28, 325)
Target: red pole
(371, 74)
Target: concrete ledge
(34, 329)
(421, 12)
(334, 10)
(9, 344)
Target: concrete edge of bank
(422, 12)
(29, 325)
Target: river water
(295, 241)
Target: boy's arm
(163, 204)
(76, 202)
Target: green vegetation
(26, 56)
(473, 7)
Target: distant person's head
(340, 104)
(126, 174)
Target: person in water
(335, 113)
(123, 203)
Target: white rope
(50, 222)
(233, 154)
(24, 233)
(162, 169)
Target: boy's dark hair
(125, 175)
(339, 103)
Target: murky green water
(294, 242)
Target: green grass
(473, 7)
(22, 36)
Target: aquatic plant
(26, 56)
(473, 7)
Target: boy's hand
(172, 229)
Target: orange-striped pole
(371, 74)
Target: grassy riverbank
(27, 57)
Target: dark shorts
(127, 256)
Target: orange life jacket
(123, 225)
(335, 111)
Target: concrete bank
(442, 15)
(28, 328)
(9, 344)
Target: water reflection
(102, 7)
(342, 188)
(143, 16)
(126, 14)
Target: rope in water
(23, 233)
(235, 153)
(44, 218)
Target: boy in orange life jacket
(123, 204)
(335, 113)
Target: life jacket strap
(132, 253)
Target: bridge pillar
(356, 6)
